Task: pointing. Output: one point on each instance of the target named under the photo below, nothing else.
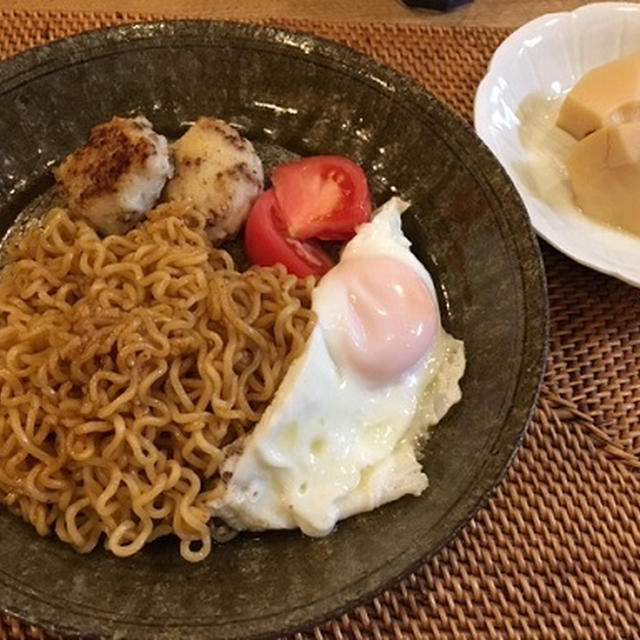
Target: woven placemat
(555, 552)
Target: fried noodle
(127, 364)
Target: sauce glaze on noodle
(127, 363)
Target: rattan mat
(555, 552)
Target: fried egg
(343, 432)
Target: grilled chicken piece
(118, 175)
(219, 172)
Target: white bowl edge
(572, 236)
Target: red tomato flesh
(324, 197)
(267, 242)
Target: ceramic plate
(293, 95)
(516, 107)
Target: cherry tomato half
(323, 197)
(266, 242)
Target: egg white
(330, 445)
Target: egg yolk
(387, 317)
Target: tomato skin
(324, 197)
(266, 242)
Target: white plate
(516, 106)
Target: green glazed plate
(292, 94)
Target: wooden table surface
(503, 13)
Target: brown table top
(495, 13)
